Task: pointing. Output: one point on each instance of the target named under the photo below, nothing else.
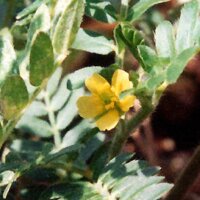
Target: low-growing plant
(48, 150)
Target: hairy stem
(187, 178)
(124, 130)
(57, 138)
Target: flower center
(111, 104)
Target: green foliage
(7, 56)
(38, 100)
(139, 8)
(119, 179)
(41, 59)
(67, 26)
(30, 9)
(92, 42)
(11, 103)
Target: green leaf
(30, 9)
(77, 79)
(118, 39)
(116, 4)
(75, 134)
(61, 96)
(185, 31)
(28, 146)
(69, 111)
(71, 191)
(148, 57)
(41, 59)
(8, 177)
(164, 39)
(7, 57)
(178, 64)
(37, 108)
(131, 38)
(196, 33)
(92, 145)
(92, 42)
(140, 8)
(119, 180)
(155, 81)
(67, 27)
(65, 151)
(54, 81)
(100, 11)
(11, 102)
(41, 21)
(36, 126)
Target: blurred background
(169, 137)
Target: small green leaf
(61, 96)
(92, 42)
(153, 192)
(41, 59)
(7, 57)
(35, 126)
(67, 27)
(140, 8)
(116, 4)
(196, 33)
(118, 39)
(11, 102)
(8, 177)
(65, 151)
(29, 146)
(69, 111)
(121, 180)
(164, 39)
(37, 108)
(100, 11)
(54, 81)
(178, 64)
(155, 81)
(30, 9)
(41, 21)
(75, 134)
(189, 14)
(148, 57)
(81, 191)
(77, 79)
(92, 145)
(131, 38)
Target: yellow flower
(104, 104)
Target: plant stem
(57, 137)
(124, 130)
(187, 178)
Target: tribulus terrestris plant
(62, 134)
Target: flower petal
(127, 102)
(97, 84)
(108, 121)
(120, 81)
(90, 106)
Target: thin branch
(187, 178)
(124, 130)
